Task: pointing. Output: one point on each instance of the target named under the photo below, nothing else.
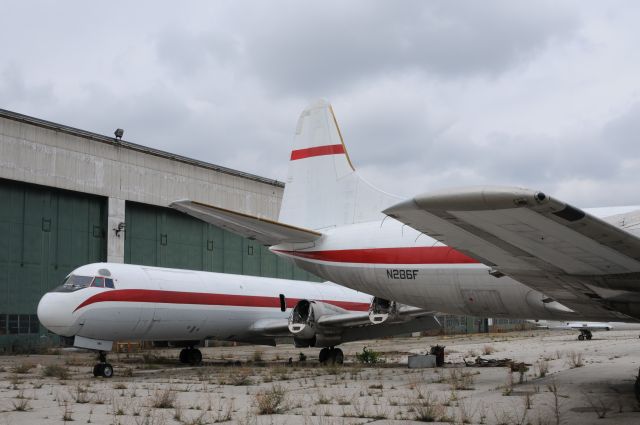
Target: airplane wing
(408, 319)
(362, 318)
(263, 230)
(540, 241)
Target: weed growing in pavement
(56, 371)
(67, 413)
(22, 368)
(80, 394)
(271, 401)
(543, 368)
(21, 404)
(323, 399)
(460, 380)
(428, 408)
(164, 399)
(556, 407)
(239, 378)
(369, 356)
(575, 359)
(488, 350)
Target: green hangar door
(45, 234)
(163, 237)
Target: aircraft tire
(97, 370)
(338, 356)
(589, 336)
(324, 355)
(107, 370)
(195, 356)
(581, 337)
(184, 355)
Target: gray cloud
(428, 94)
(322, 49)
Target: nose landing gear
(103, 368)
(190, 355)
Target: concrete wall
(40, 152)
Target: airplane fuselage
(394, 261)
(150, 303)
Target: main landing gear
(191, 356)
(103, 368)
(584, 334)
(331, 355)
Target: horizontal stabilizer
(263, 230)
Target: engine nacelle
(303, 324)
(380, 310)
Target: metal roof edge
(133, 146)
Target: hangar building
(70, 197)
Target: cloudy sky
(429, 94)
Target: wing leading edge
(542, 242)
(263, 230)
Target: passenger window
(109, 283)
(98, 282)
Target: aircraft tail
(322, 188)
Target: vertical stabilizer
(322, 188)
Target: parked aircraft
(510, 252)
(105, 302)
(586, 328)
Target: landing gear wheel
(97, 369)
(585, 334)
(103, 368)
(338, 356)
(194, 357)
(184, 355)
(324, 355)
(334, 356)
(107, 370)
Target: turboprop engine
(303, 324)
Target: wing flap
(362, 318)
(263, 230)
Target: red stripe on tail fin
(317, 151)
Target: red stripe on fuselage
(317, 151)
(410, 255)
(203, 298)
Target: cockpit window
(77, 282)
(74, 282)
(98, 282)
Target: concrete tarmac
(568, 382)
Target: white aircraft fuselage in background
(160, 304)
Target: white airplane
(510, 252)
(586, 328)
(105, 302)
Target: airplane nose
(54, 315)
